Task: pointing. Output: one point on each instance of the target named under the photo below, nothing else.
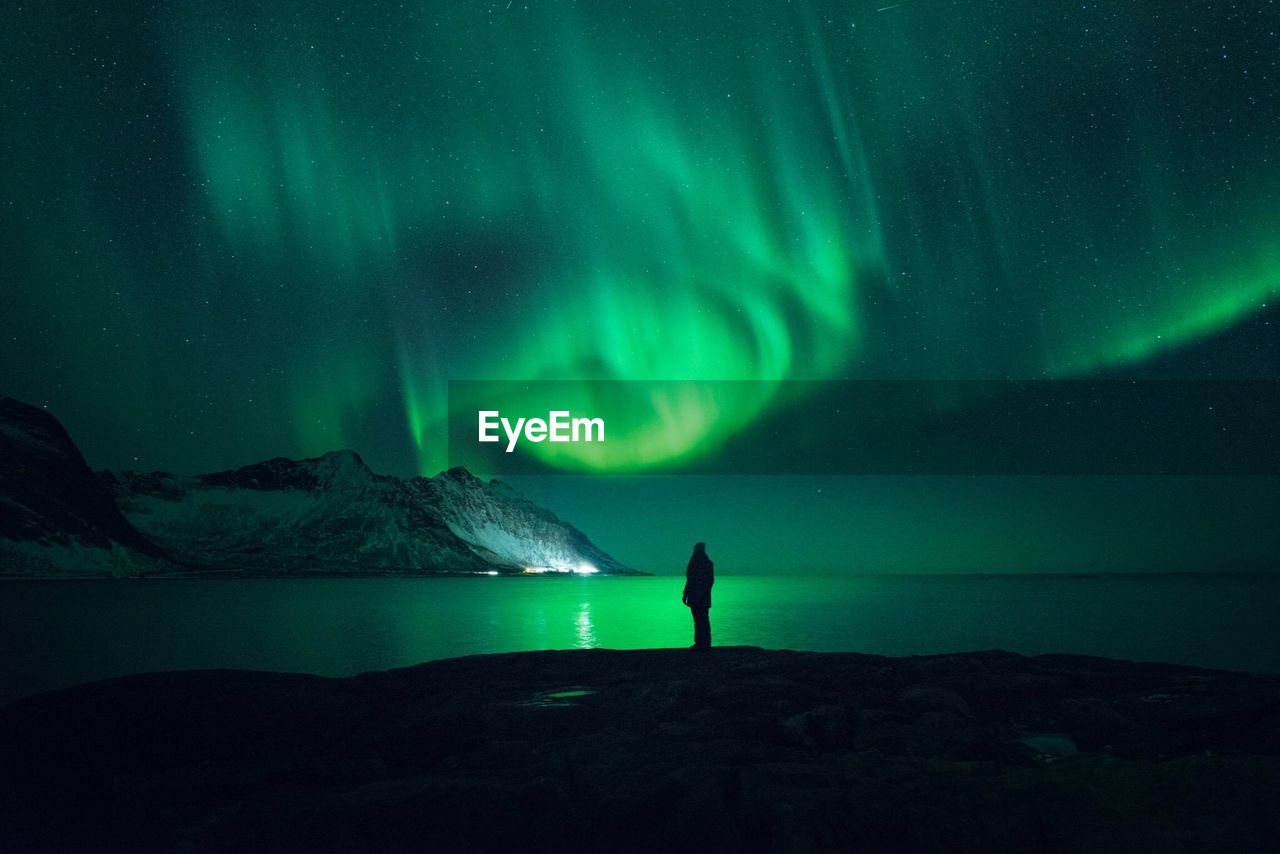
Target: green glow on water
(64, 634)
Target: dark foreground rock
(655, 750)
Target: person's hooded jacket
(698, 578)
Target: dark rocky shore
(655, 750)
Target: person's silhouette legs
(701, 627)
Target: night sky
(231, 231)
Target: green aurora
(237, 230)
(305, 217)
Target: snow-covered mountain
(506, 528)
(332, 514)
(327, 515)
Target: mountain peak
(324, 514)
(344, 456)
(343, 465)
(49, 496)
(324, 472)
(34, 418)
(459, 474)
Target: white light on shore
(580, 569)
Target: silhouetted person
(698, 578)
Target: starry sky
(238, 230)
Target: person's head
(699, 548)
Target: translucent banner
(927, 427)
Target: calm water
(54, 634)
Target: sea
(55, 634)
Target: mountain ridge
(326, 515)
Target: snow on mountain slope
(332, 514)
(327, 515)
(500, 522)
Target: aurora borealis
(238, 230)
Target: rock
(826, 727)
(926, 699)
(1093, 724)
(555, 750)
